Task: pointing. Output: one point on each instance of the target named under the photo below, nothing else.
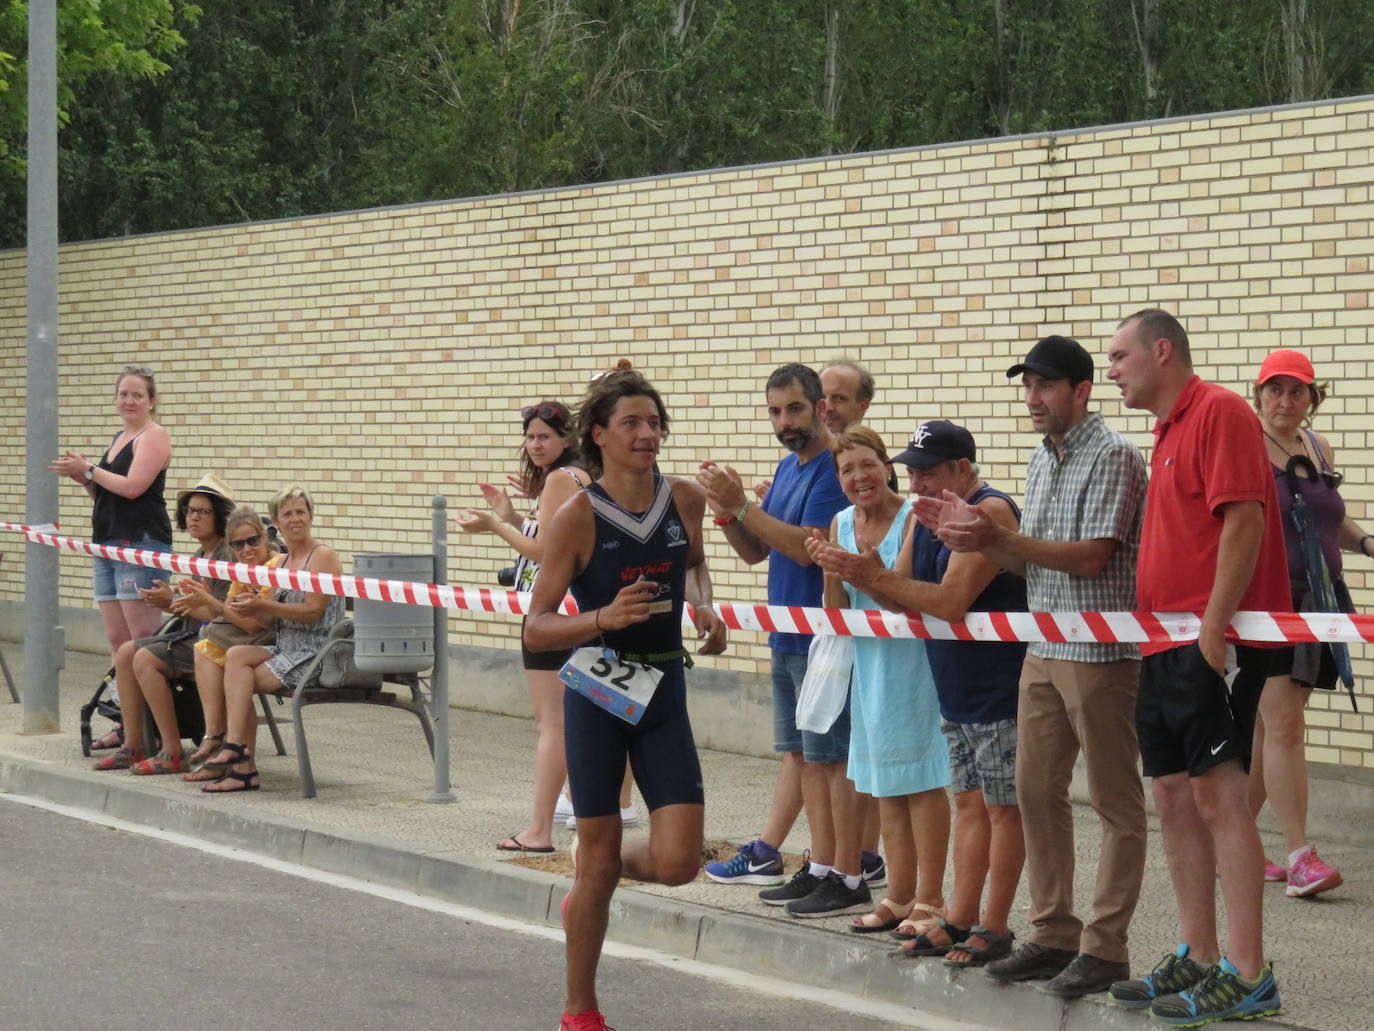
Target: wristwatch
(90, 474)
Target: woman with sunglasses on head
(126, 486)
(303, 623)
(550, 473)
(250, 543)
(1286, 397)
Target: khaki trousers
(1066, 707)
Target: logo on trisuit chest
(676, 537)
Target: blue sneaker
(1221, 995)
(874, 870)
(754, 863)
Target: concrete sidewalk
(370, 821)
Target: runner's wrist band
(727, 521)
(747, 505)
(598, 619)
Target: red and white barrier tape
(1084, 627)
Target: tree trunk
(831, 101)
(1000, 98)
(1304, 43)
(1145, 20)
(683, 12)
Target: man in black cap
(1077, 547)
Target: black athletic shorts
(660, 748)
(545, 661)
(1185, 717)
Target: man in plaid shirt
(1077, 547)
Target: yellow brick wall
(380, 357)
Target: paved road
(109, 929)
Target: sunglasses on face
(246, 542)
(199, 512)
(544, 412)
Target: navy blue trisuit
(655, 545)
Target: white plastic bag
(829, 662)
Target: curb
(756, 945)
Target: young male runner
(629, 547)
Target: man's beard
(797, 439)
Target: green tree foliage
(281, 108)
(124, 40)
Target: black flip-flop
(501, 846)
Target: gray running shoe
(1174, 973)
(802, 884)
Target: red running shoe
(587, 1020)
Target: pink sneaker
(1310, 876)
(1274, 872)
(587, 1020)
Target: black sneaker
(832, 897)
(1174, 973)
(802, 884)
(1085, 976)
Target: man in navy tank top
(630, 549)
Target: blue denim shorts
(789, 670)
(121, 581)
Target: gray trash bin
(390, 637)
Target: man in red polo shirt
(1211, 543)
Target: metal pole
(439, 683)
(44, 642)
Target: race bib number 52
(621, 688)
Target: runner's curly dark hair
(599, 402)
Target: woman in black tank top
(549, 471)
(126, 486)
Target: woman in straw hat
(144, 667)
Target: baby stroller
(185, 700)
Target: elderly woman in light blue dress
(897, 752)
(303, 622)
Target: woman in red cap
(1286, 397)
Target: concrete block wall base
(856, 966)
